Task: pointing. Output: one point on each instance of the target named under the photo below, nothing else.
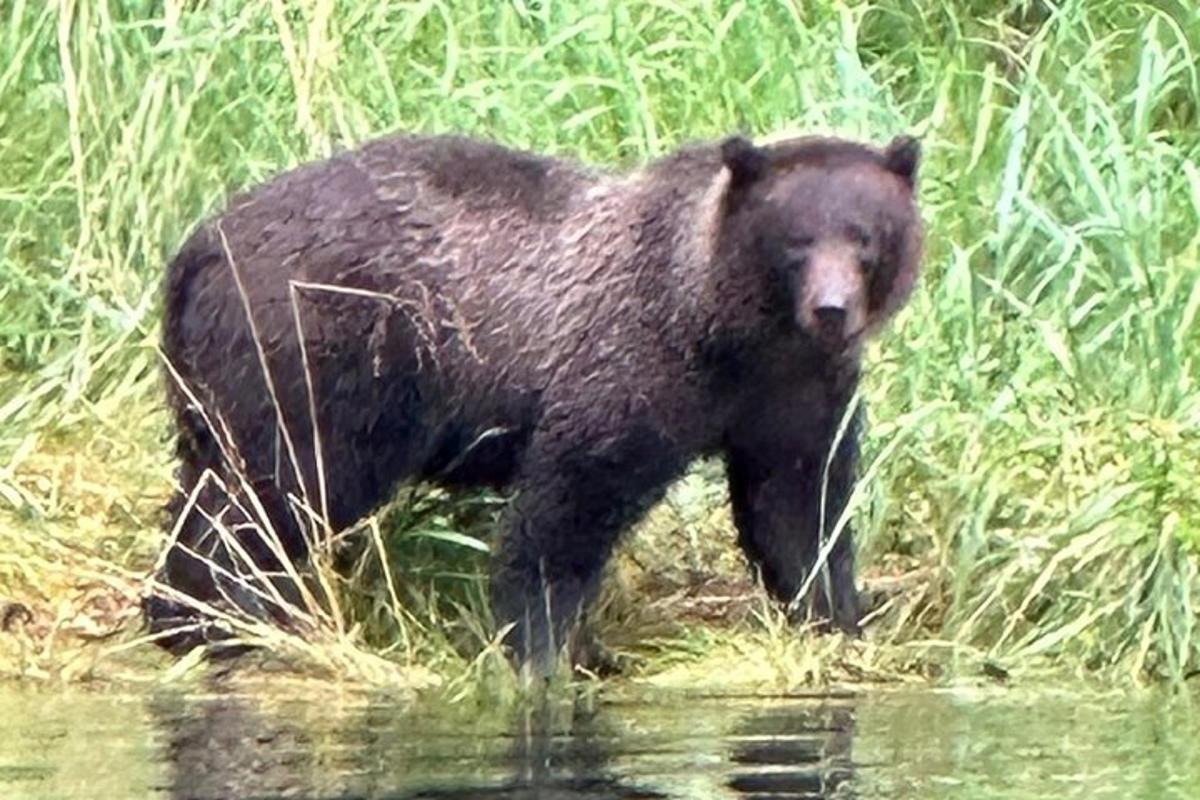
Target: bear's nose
(831, 320)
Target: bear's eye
(859, 235)
(803, 242)
(797, 260)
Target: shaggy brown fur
(473, 315)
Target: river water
(929, 744)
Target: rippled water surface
(911, 744)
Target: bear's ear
(746, 163)
(902, 157)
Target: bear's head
(832, 225)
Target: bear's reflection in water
(668, 747)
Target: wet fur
(577, 336)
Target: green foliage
(1036, 408)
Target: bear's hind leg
(220, 557)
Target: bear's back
(471, 175)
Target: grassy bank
(1033, 462)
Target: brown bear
(448, 310)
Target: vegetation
(1033, 462)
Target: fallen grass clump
(1034, 446)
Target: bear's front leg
(572, 503)
(775, 489)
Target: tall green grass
(1035, 436)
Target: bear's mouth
(840, 344)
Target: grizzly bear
(441, 309)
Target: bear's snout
(832, 305)
(831, 322)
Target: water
(318, 744)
